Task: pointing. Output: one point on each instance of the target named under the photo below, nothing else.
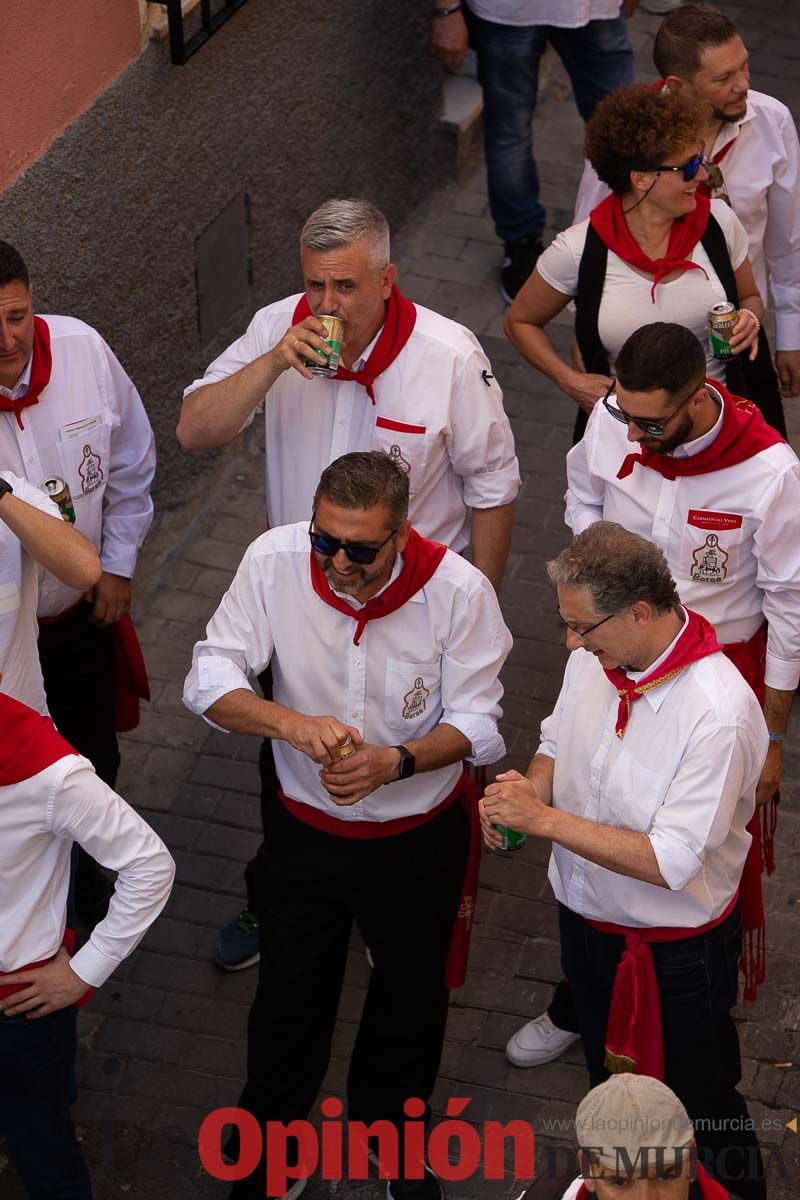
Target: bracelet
(446, 12)
(753, 315)
(777, 737)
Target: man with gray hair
(411, 383)
(645, 781)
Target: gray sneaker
(237, 946)
(538, 1042)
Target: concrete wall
(293, 102)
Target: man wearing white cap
(634, 1133)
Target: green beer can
(323, 364)
(511, 839)
(60, 494)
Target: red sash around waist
(634, 1040)
(466, 793)
(69, 942)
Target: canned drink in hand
(511, 839)
(59, 493)
(324, 364)
(346, 749)
(721, 320)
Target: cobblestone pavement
(164, 1042)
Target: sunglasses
(357, 552)
(655, 428)
(689, 169)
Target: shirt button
(355, 714)
(357, 662)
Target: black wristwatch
(4, 487)
(407, 765)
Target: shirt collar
(689, 449)
(732, 130)
(360, 363)
(21, 386)
(657, 695)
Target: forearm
(540, 772)
(536, 347)
(754, 303)
(777, 706)
(441, 747)
(623, 851)
(213, 415)
(52, 542)
(242, 711)
(491, 540)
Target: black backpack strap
(588, 296)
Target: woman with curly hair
(654, 250)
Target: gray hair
(338, 223)
(616, 568)
(363, 480)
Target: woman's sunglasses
(689, 169)
(357, 552)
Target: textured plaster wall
(294, 102)
(56, 56)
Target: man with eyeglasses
(644, 781)
(753, 161)
(681, 461)
(378, 635)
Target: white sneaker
(538, 1042)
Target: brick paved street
(164, 1042)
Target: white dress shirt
(438, 412)
(684, 773)
(627, 303)
(40, 818)
(90, 428)
(762, 179)
(434, 660)
(566, 14)
(730, 536)
(20, 580)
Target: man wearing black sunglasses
(389, 641)
(679, 460)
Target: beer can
(59, 493)
(323, 364)
(345, 749)
(721, 320)
(511, 839)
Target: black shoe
(428, 1188)
(518, 263)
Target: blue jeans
(37, 1060)
(598, 58)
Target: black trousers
(403, 892)
(37, 1060)
(698, 980)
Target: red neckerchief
(397, 328)
(697, 640)
(28, 742)
(608, 220)
(421, 557)
(744, 434)
(708, 1188)
(41, 366)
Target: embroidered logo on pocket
(709, 561)
(396, 456)
(90, 471)
(415, 700)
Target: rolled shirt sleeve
(478, 646)
(92, 814)
(479, 438)
(782, 240)
(778, 577)
(259, 337)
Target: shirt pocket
(407, 445)
(85, 450)
(710, 546)
(413, 691)
(633, 793)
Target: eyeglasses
(689, 169)
(585, 632)
(655, 428)
(357, 552)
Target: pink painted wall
(56, 57)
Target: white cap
(629, 1117)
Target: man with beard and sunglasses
(386, 642)
(753, 160)
(679, 460)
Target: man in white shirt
(713, 490)
(509, 38)
(752, 144)
(399, 643)
(417, 386)
(50, 797)
(645, 782)
(33, 539)
(68, 411)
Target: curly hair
(636, 128)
